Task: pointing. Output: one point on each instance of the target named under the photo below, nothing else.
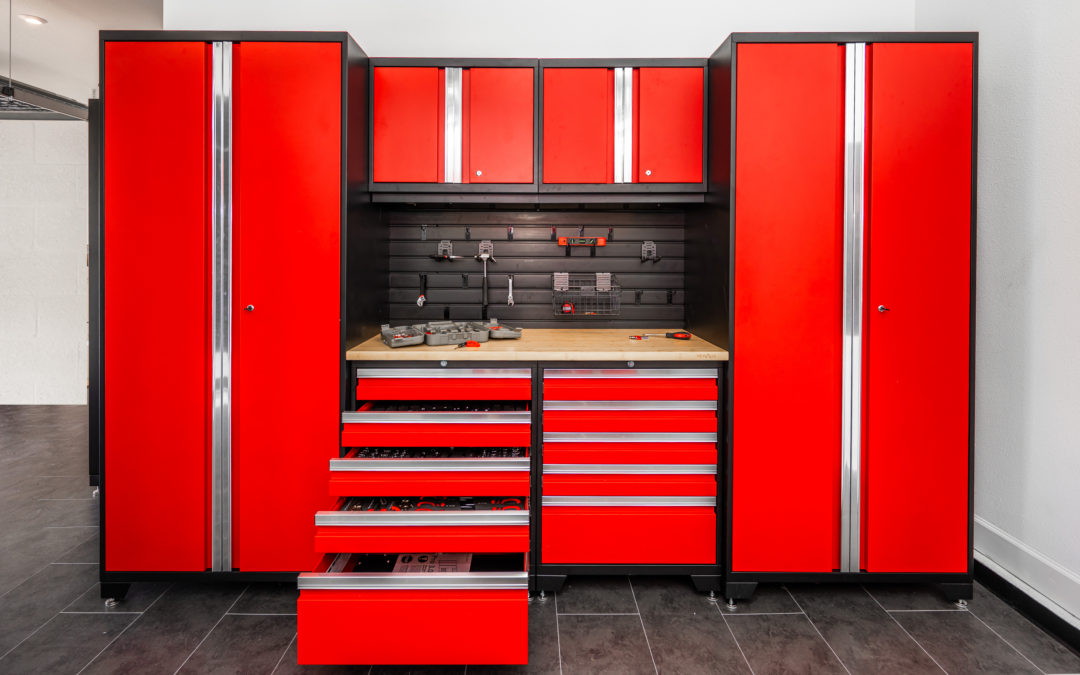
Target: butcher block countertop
(553, 344)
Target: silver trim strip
(688, 373)
(221, 305)
(584, 406)
(628, 469)
(452, 129)
(310, 581)
(455, 373)
(477, 464)
(522, 417)
(420, 518)
(851, 416)
(560, 500)
(628, 125)
(627, 437)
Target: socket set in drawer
(447, 406)
(435, 504)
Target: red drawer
(629, 384)
(630, 420)
(629, 530)
(372, 618)
(444, 384)
(629, 453)
(353, 477)
(436, 429)
(629, 480)
(447, 531)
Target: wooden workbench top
(553, 344)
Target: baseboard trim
(1035, 611)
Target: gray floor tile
(288, 666)
(138, 599)
(603, 644)
(670, 595)
(767, 599)
(862, 634)
(162, 637)
(962, 644)
(417, 670)
(65, 644)
(543, 642)
(783, 643)
(243, 644)
(596, 595)
(28, 606)
(909, 596)
(88, 551)
(28, 551)
(1042, 649)
(268, 599)
(693, 644)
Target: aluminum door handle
(882, 308)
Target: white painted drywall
(43, 273)
(1027, 393)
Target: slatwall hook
(554, 236)
(510, 233)
(446, 312)
(611, 234)
(468, 233)
(423, 233)
(671, 296)
(464, 280)
(581, 230)
(637, 296)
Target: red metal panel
(156, 283)
(406, 124)
(788, 291)
(629, 389)
(655, 421)
(443, 389)
(381, 626)
(449, 539)
(630, 453)
(500, 125)
(402, 435)
(381, 483)
(920, 247)
(647, 535)
(670, 127)
(286, 253)
(630, 485)
(578, 125)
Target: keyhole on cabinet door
(249, 308)
(882, 308)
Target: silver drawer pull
(420, 518)
(454, 373)
(606, 500)
(418, 582)
(631, 469)
(588, 406)
(432, 465)
(517, 417)
(627, 437)
(688, 373)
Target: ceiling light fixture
(30, 18)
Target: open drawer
(358, 475)
(630, 479)
(357, 528)
(447, 384)
(631, 384)
(628, 530)
(573, 447)
(378, 424)
(381, 617)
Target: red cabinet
(499, 119)
(406, 136)
(578, 125)
(670, 126)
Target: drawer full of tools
(438, 424)
(450, 471)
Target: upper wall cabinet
(607, 127)
(440, 127)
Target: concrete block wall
(43, 273)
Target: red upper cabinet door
(500, 123)
(789, 239)
(157, 242)
(286, 349)
(579, 122)
(406, 125)
(919, 129)
(669, 125)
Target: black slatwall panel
(532, 257)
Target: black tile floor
(52, 619)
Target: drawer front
(379, 483)
(630, 453)
(660, 389)
(630, 420)
(458, 384)
(627, 534)
(569, 479)
(448, 539)
(417, 435)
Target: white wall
(43, 273)
(1027, 393)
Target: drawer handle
(587, 406)
(420, 518)
(522, 417)
(418, 582)
(563, 500)
(631, 469)
(599, 437)
(445, 373)
(432, 465)
(685, 373)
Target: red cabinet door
(157, 238)
(579, 125)
(788, 304)
(406, 114)
(500, 126)
(920, 127)
(669, 125)
(286, 253)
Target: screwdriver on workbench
(678, 335)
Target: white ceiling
(62, 55)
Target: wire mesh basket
(585, 294)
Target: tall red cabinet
(227, 163)
(844, 166)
